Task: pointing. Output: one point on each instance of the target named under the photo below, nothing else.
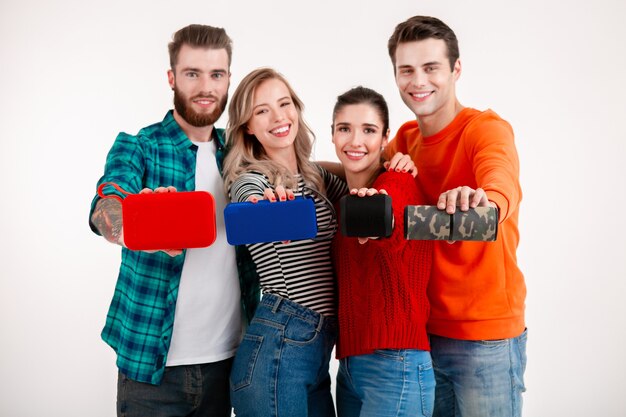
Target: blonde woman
(281, 367)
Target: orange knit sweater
(476, 290)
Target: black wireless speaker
(370, 216)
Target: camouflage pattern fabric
(430, 223)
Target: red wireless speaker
(177, 220)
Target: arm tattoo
(107, 217)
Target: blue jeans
(188, 390)
(479, 378)
(281, 366)
(385, 383)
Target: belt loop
(277, 304)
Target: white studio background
(75, 73)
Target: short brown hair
(199, 36)
(419, 28)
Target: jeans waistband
(276, 304)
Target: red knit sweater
(382, 284)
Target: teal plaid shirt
(140, 320)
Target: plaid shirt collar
(182, 142)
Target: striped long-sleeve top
(301, 270)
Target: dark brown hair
(418, 28)
(363, 95)
(199, 36)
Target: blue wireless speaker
(263, 221)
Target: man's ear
(456, 71)
(171, 79)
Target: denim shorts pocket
(245, 361)
(300, 332)
(495, 343)
(426, 376)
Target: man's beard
(193, 117)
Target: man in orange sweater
(465, 158)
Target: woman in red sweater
(385, 366)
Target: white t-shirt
(208, 318)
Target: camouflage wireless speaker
(430, 223)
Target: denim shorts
(281, 366)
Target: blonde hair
(245, 152)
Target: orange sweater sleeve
(491, 149)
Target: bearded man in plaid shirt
(176, 317)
